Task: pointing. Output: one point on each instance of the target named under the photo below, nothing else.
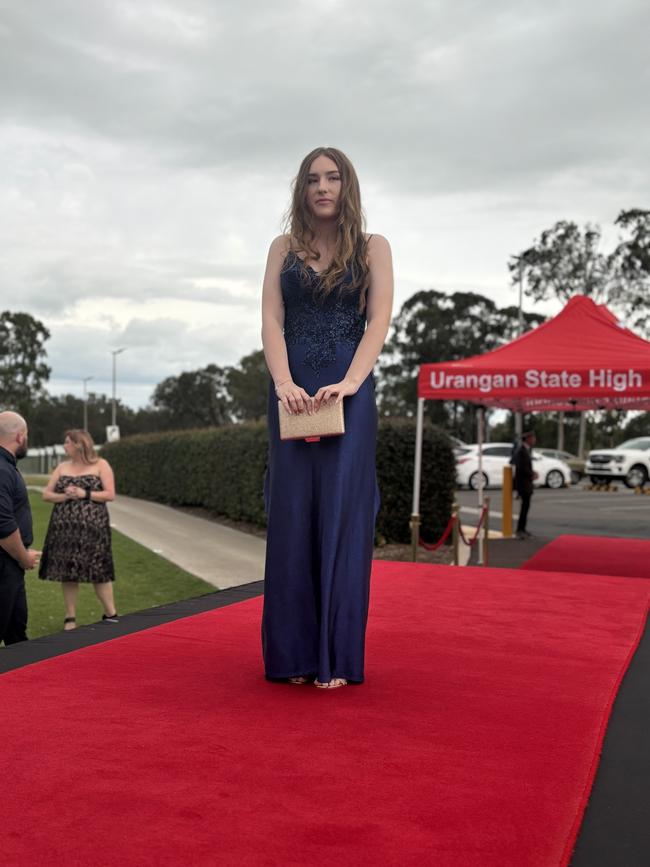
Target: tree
(566, 261)
(23, 371)
(630, 291)
(433, 326)
(545, 427)
(248, 387)
(51, 415)
(193, 399)
(637, 426)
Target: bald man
(15, 530)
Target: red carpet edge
(573, 833)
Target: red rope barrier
(431, 546)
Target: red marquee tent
(581, 359)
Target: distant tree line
(208, 397)
(566, 260)
(433, 326)
(602, 429)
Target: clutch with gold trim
(329, 421)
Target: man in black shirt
(15, 530)
(523, 482)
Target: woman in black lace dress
(78, 542)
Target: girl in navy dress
(326, 309)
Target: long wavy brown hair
(86, 445)
(350, 254)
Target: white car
(551, 472)
(630, 462)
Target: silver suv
(630, 462)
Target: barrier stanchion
(486, 531)
(415, 536)
(506, 520)
(477, 532)
(455, 513)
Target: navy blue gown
(321, 498)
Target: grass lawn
(142, 580)
(35, 479)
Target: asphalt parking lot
(570, 510)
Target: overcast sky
(146, 152)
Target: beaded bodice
(319, 323)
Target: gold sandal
(334, 683)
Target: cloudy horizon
(147, 151)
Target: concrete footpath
(219, 555)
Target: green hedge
(222, 469)
(395, 458)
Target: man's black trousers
(523, 511)
(13, 601)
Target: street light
(85, 380)
(519, 421)
(115, 353)
(520, 277)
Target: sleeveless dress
(78, 541)
(321, 498)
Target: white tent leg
(481, 492)
(417, 473)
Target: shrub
(222, 469)
(395, 465)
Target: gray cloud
(58, 286)
(428, 96)
(153, 349)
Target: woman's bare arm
(48, 493)
(378, 314)
(108, 483)
(275, 350)
(294, 398)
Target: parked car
(551, 472)
(576, 464)
(629, 462)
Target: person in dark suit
(15, 530)
(522, 462)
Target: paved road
(572, 510)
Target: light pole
(520, 264)
(519, 421)
(115, 353)
(85, 380)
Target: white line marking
(472, 511)
(622, 508)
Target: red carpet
(594, 555)
(473, 742)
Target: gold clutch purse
(327, 422)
